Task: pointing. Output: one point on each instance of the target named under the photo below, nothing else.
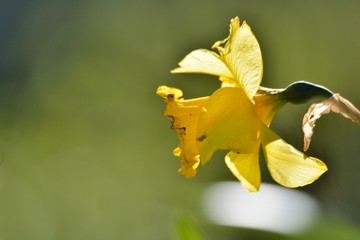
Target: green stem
(301, 92)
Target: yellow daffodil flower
(237, 116)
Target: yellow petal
(184, 115)
(246, 168)
(227, 121)
(287, 165)
(242, 56)
(203, 61)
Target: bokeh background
(85, 152)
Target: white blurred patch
(273, 208)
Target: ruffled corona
(184, 115)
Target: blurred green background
(85, 150)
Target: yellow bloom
(235, 117)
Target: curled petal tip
(169, 93)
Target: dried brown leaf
(336, 104)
